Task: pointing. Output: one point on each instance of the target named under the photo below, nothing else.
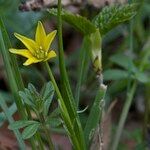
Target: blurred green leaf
(123, 61)
(6, 6)
(142, 77)
(29, 131)
(11, 110)
(111, 16)
(21, 124)
(115, 74)
(55, 113)
(54, 122)
(78, 22)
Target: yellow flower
(38, 50)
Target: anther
(40, 47)
(37, 55)
(45, 53)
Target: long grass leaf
(95, 115)
(82, 68)
(10, 73)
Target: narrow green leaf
(29, 131)
(95, 115)
(80, 23)
(11, 68)
(85, 49)
(115, 74)
(111, 16)
(21, 124)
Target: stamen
(37, 55)
(45, 54)
(41, 48)
(40, 53)
(36, 51)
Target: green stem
(124, 115)
(40, 143)
(53, 81)
(62, 67)
(64, 111)
(69, 100)
(47, 133)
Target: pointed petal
(51, 54)
(49, 38)
(23, 52)
(40, 34)
(31, 60)
(29, 43)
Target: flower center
(40, 53)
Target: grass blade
(95, 115)
(82, 67)
(10, 72)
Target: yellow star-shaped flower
(38, 50)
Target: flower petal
(31, 60)
(49, 38)
(40, 34)
(51, 54)
(29, 43)
(23, 52)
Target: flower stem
(53, 81)
(65, 114)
